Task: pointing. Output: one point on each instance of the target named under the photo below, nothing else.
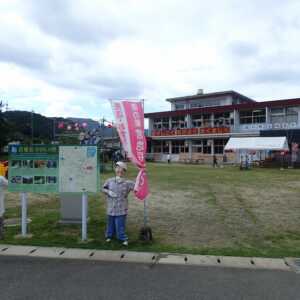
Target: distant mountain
(20, 125)
(45, 129)
(17, 126)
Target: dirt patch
(219, 215)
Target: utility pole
(54, 124)
(102, 143)
(103, 120)
(32, 126)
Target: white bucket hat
(121, 165)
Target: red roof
(226, 108)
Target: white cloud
(59, 58)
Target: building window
(245, 117)
(157, 146)
(219, 146)
(179, 122)
(165, 146)
(207, 103)
(259, 116)
(284, 115)
(223, 119)
(160, 146)
(201, 120)
(197, 120)
(206, 120)
(277, 115)
(195, 105)
(204, 146)
(179, 147)
(253, 116)
(179, 106)
(161, 123)
(207, 146)
(197, 146)
(292, 114)
(156, 123)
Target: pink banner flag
(129, 116)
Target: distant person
(116, 157)
(247, 162)
(113, 157)
(224, 160)
(169, 158)
(117, 190)
(242, 163)
(3, 184)
(215, 161)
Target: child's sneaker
(125, 243)
(108, 240)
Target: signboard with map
(33, 168)
(53, 169)
(78, 169)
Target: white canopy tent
(258, 143)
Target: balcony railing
(265, 126)
(224, 129)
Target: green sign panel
(33, 168)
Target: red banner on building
(191, 131)
(129, 116)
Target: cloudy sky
(66, 58)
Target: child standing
(169, 158)
(117, 190)
(3, 184)
(215, 161)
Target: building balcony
(254, 128)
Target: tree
(4, 128)
(27, 125)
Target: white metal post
(84, 217)
(24, 213)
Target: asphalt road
(36, 278)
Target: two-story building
(199, 126)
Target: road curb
(255, 263)
(294, 263)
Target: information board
(33, 168)
(78, 169)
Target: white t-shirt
(3, 184)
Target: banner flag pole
(145, 200)
(129, 118)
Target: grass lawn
(192, 209)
